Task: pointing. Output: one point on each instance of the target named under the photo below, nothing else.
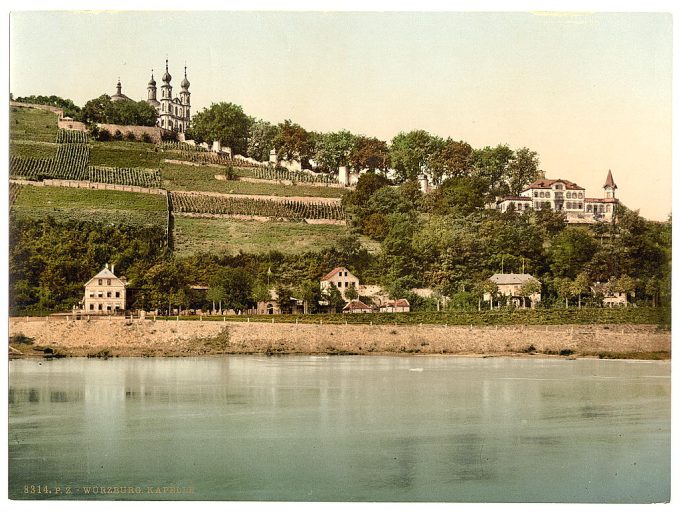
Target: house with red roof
(341, 278)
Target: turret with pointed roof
(609, 186)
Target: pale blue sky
(587, 92)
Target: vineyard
(125, 176)
(288, 209)
(71, 162)
(175, 145)
(14, 190)
(279, 173)
(71, 137)
(30, 168)
(213, 158)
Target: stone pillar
(217, 146)
(424, 186)
(273, 159)
(343, 176)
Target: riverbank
(120, 337)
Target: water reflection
(348, 428)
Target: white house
(104, 293)
(397, 305)
(341, 278)
(609, 296)
(564, 196)
(510, 285)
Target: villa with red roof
(564, 196)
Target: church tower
(185, 100)
(151, 93)
(610, 186)
(166, 99)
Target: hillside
(39, 151)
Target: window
(609, 194)
(91, 306)
(99, 306)
(91, 294)
(559, 187)
(100, 293)
(354, 284)
(346, 284)
(108, 294)
(535, 194)
(108, 308)
(117, 294)
(609, 208)
(99, 282)
(580, 195)
(569, 195)
(108, 282)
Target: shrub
(104, 135)
(20, 338)
(566, 352)
(118, 136)
(146, 138)
(130, 136)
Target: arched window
(580, 195)
(568, 195)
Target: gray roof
(511, 279)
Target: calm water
(341, 429)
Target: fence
(79, 184)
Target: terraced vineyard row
(125, 176)
(176, 145)
(29, 168)
(14, 190)
(268, 173)
(72, 137)
(204, 204)
(71, 161)
(213, 158)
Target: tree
(224, 122)
(460, 195)
(333, 150)
(492, 164)
(216, 294)
(528, 289)
(293, 142)
(564, 288)
(310, 293)
(261, 140)
(522, 170)
(571, 250)
(237, 286)
(130, 113)
(70, 109)
(369, 153)
(624, 284)
(351, 293)
(491, 288)
(94, 111)
(453, 159)
(581, 285)
(411, 152)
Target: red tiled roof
(547, 183)
(356, 305)
(333, 273)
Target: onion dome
(185, 83)
(166, 76)
(152, 82)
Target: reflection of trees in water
(37, 395)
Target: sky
(588, 92)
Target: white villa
(104, 293)
(510, 285)
(564, 196)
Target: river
(356, 428)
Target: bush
(20, 338)
(104, 135)
(130, 136)
(566, 352)
(146, 138)
(118, 136)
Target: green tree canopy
(261, 140)
(293, 142)
(70, 109)
(523, 170)
(224, 122)
(411, 152)
(369, 153)
(333, 150)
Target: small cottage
(510, 285)
(356, 306)
(341, 278)
(398, 305)
(609, 296)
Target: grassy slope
(32, 124)
(32, 149)
(202, 178)
(194, 235)
(125, 154)
(76, 204)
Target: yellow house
(104, 293)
